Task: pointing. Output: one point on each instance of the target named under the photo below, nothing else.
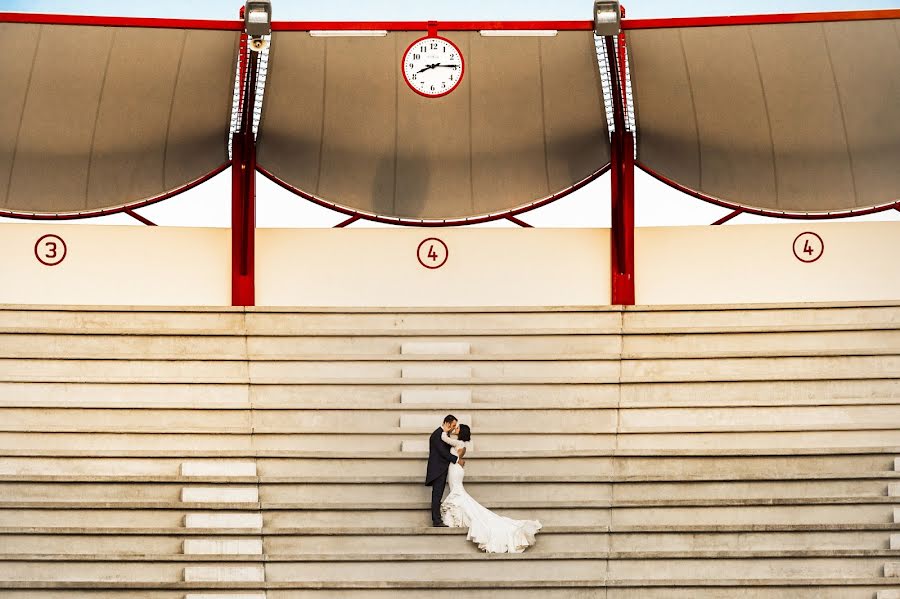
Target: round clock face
(433, 66)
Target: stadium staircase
(679, 452)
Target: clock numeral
(423, 48)
(432, 88)
(416, 57)
(432, 46)
(413, 77)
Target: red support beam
(140, 218)
(518, 221)
(621, 184)
(243, 189)
(344, 223)
(728, 217)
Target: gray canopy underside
(96, 117)
(526, 121)
(792, 117)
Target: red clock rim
(462, 71)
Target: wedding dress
(492, 532)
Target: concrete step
(758, 440)
(760, 369)
(732, 393)
(130, 371)
(863, 341)
(341, 395)
(800, 418)
(99, 319)
(759, 317)
(662, 467)
(436, 347)
(525, 343)
(552, 589)
(402, 321)
(124, 395)
(294, 371)
(152, 345)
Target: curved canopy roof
(798, 117)
(98, 113)
(340, 123)
(94, 117)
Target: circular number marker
(50, 250)
(433, 253)
(808, 247)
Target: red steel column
(622, 183)
(243, 188)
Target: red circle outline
(446, 252)
(462, 72)
(794, 247)
(38, 243)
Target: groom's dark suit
(439, 460)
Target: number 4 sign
(808, 247)
(432, 253)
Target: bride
(492, 532)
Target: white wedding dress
(492, 532)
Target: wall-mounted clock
(433, 66)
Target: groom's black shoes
(440, 525)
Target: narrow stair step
(436, 371)
(219, 520)
(435, 347)
(218, 468)
(446, 397)
(220, 495)
(222, 546)
(429, 421)
(224, 574)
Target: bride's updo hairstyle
(465, 433)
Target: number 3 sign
(808, 247)
(50, 250)
(433, 253)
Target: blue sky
(424, 10)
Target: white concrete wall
(756, 263)
(114, 265)
(117, 265)
(485, 267)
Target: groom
(439, 460)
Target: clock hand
(431, 66)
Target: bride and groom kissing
(448, 448)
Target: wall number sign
(50, 250)
(808, 247)
(433, 253)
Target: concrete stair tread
(423, 505)
(560, 453)
(378, 557)
(455, 582)
(475, 478)
(452, 309)
(432, 531)
(351, 405)
(493, 358)
(479, 405)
